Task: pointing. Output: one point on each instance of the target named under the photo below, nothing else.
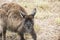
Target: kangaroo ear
(33, 12)
(22, 14)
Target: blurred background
(47, 19)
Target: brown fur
(13, 9)
(3, 21)
(8, 6)
(10, 11)
(3, 15)
(12, 18)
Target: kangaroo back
(8, 6)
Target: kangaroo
(18, 21)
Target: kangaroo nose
(28, 23)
